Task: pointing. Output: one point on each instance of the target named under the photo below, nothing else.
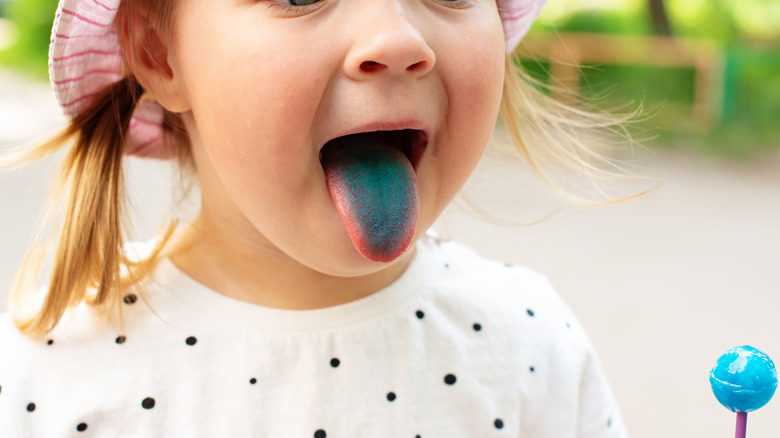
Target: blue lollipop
(743, 380)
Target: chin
(348, 262)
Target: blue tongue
(374, 188)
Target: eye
(297, 2)
(458, 4)
(291, 8)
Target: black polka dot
(335, 362)
(30, 407)
(50, 341)
(253, 380)
(530, 312)
(121, 339)
(390, 396)
(191, 340)
(1, 389)
(499, 423)
(417, 436)
(320, 434)
(450, 379)
(81, 427)
(532, 369)
(130, 299)
(148, 403)
(477, 327)
(419, 314)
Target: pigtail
(90, 259)
(90, 262)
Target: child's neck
(265, 276)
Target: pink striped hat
(84, 58)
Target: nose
(388, 43)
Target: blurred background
(664, 284)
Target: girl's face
(268, 83)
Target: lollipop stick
(741, 425)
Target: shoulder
(503, 291)
(64, 368)
(24, 355)
(499, 280)
(529, 340)
(16, 349)
(22, 367)
(515, 306)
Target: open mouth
(411, 142)
(371, 177)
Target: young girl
(304, 300)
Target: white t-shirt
(457, 347)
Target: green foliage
(712, 20)
(33, 19)
(751, 101)
(614, 22)
(751, 87)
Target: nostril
(370, 66)
(417, 66)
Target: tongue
(374, 189)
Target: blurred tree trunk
(659, 18)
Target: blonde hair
(91, 249)
(550, 133)
(90, 263)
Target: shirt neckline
(178, 294)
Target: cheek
(248, 103)
(242, 78)
(474, 98)
(255, 117)
(473, 75)
(480, 71)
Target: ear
(150, 58)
